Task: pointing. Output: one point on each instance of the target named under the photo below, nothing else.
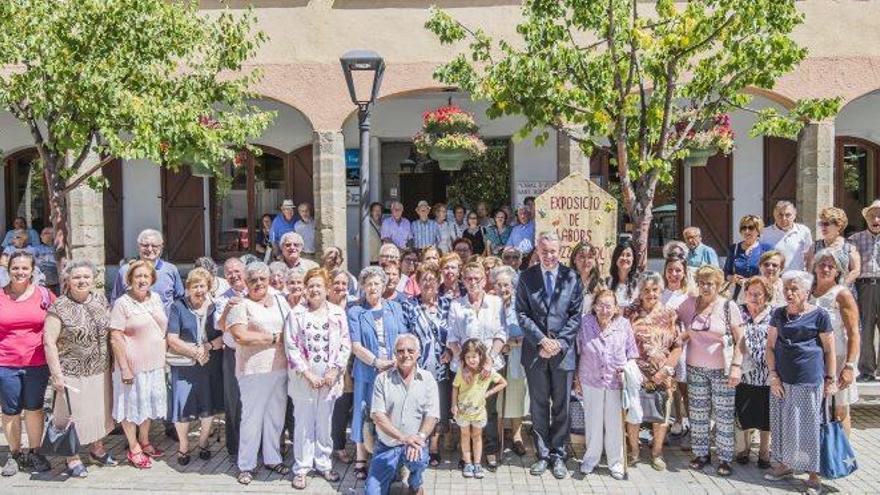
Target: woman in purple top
(606, 343)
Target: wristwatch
(423, 435)
(850, 365)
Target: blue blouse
(740, 263)
(182, 321)
(800, 358)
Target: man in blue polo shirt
(282, 223)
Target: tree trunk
(57, 210)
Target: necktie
(548, 285)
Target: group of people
(448, 338)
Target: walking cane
(502, 398)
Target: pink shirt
(706, 331)
(254, 359)
(21, 329)
(143, 327)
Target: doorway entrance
(857, 182)
(25, 191)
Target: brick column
(569, 157)
(328, 155)
(85, 208)
(815, 171)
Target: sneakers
(12, 465)
(39, 462)
(478, 472)
(658, 463)
(468, 471)
(618, 475)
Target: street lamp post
(365, 61)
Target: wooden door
(25, 187)
(183, 215)
(780, 174)
(114, 249)
(428, 186)
(712, 201)
(856, 177)
(300, 182)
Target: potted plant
(449, 135)
(704, 139)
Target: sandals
(140, 460)
(360, 470)
(183, 458)
(245, 477)
(204, 453)
(330, 475)
(105, 459)
(742, 458)
(723, 469)
(77, 471)
(279, 468)
(492, 463)
(343, 456)
(299, 481)
(700, 462)
(434, 459)
(151, 451)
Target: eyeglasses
(289, 244)
(150, 246)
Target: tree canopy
(635, 76)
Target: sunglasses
(826, 224)
(748, 227)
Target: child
(469, 393)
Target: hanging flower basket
(699, 157)
(449, 135)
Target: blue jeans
(383, 468)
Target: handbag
(836, 456)
(727, 340)
(60, 441)
(576, 415)
(174, 359)
(654, 405)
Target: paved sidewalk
(217, 476)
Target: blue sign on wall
(353, 167)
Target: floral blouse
(755, 338)
(657, 334)
(83, 344)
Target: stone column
(328, 155)
(569, 157)
(85, 214)
(815, 171)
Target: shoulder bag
(837, 458)
(60, 441)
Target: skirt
(91, 407)
(146, 398)
(849, 395)
(794, 426)
(194, 394)
(516, 399)
(752, 406)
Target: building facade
(305, 149)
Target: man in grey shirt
(405, 408)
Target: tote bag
(60, 441)
(836, 456)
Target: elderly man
(44, 254)
(548, 304)
(19, 223)
(425, 232)
(395, 228)
(698, 253)
(283, 223)
(868, 288)
(291, 246)
(405, 408)
(233, 271)
(792, 239)
(306, 228)
(522, 236)
(169, 285)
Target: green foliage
(486, 178)
(132, 79)
(624, 72)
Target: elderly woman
(832, 223)
(516, 399)
(743, 258)
(477, 315)
(830, 294)
(196, 391)
(450, 280)
(391, 293)
(658, 338)
(585, 259)
(77, 351)
(23, 370)
(373, 324)
(427, 318)
(256, 323)
(713, 324)
(219, 284)
(772, 264)
(624, 274)
(338, 295)
(317, 343)
(334, 259)
(497, 233)
(278, 271)
(137, 335)
(606, 343)
(752, 401)
(474, 234)
(295, 286)
(802, 361)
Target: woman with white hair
(295, 286)
(260, 366)
(278, 275)
(831, 294)
(802, 362)
(373, 324)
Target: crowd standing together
(464, 327)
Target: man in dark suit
(548, 304)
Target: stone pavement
(217, 476)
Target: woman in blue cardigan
(743, 257)
(374, 325)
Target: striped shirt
(868, 245)
(425, 233)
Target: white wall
(860, 118)
(141, 201)
(289, 131)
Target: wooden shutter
(183, 215)
(303, 181)
(712, 201)
(114, 249)
(780, 173)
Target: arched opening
(857, 157)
